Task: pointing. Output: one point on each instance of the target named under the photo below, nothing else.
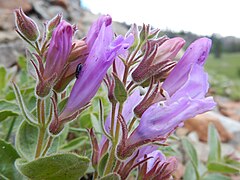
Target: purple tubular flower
(95, 29)
(59, 49)
(56, 58)
(188, 77)
(102, 53)
(185, 90)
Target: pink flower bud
(26, 25)
(157, 58)
(53, 23)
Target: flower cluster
(171, 91)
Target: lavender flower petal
(101, 56)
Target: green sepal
(120, 92)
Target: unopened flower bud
(156, 58)
(95, 147)
(54, 22)
(79, 48)
(26, 25)
(154, 96)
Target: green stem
(42, 127)
(48, 145)
(132, 123)
(118, 125)
(38, 49)
(29, 42)
(112, 120)
(112, 158)
(10, 128)
(43, 113)
(110, 161)
(102, 120)
(135, 53)
(41, 134)
(39, 111)
(125, 75)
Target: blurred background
(190, 19)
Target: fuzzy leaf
(102, 164)
(216, 176)
(26, 140)
(8, 155)
(60, 166)
(8, 109)
(192, 153)
(74, 144)
(222, 168)
(214, 144)
(3, 82)
(188, 174)
(111, 176)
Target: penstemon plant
(148, 92)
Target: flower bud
(54, 22)
(95, 147)
(156, 58)
(79, 48)
(26, 25)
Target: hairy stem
(112, 157)
(48, 145)
(112, 119)
(42, 127)
(41, 134)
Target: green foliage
(74, 144)
(8, 109)
(25, 112)
(224, 74)
(8, 155)
(192, 153)
(214, 144)
(216, 177)
(3, 81)
(216, 165)
(188, 174)
(60, 166)
(112, 176)
(222, 168)
(102, 164)
(26, 140)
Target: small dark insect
(78, 70)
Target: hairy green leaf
(8, 155)
(60, 166)
(214, 144)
